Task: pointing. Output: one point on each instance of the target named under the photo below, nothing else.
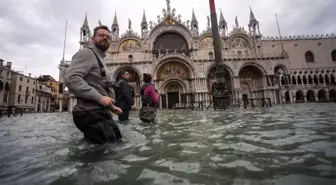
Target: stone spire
(144, 26)
(144, 20)
(115, 20)
(194, 24)
(115, 28)
(222, 24)
(253, 24)
(86, 22)
(85, 33)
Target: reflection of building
(51, 82)
(22, 91)
(181, 60)
(43, 98)
(5, 81)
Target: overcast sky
(32, 31)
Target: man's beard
(102, 45)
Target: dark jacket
(123, 95)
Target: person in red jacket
(149, 99)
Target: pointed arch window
(309, 57)
(333, 55)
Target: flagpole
(276, 18)
(65, 35)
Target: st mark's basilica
(293, 69)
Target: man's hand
(116, 109)
(106, 101)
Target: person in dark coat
(123, 96)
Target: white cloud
(32, 32)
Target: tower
(85, 33)
(194, 25)
(223, 28)
(115, 28)
(253, 25)
(144, 26)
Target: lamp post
(221, 95)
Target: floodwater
(282, 145)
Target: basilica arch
(251, 79)
(170, 42)
(173, 77)
(211, 77)
(176, 29)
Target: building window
(21, 78)
(211, 55)
(1, 85)
(33, 91)
(26, 99)
(19, 99)
(20, 87)
(130, 58)
(5, 97)
(239, 53)
(32, 100)
(309, 57)
(333, 55)
(27, 80)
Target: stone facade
(43, 97)
(22, 91)
(49, 81)
(5, 81)
(181, 60)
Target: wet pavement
(283, 145)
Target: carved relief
(130, 45)
(173, 69)
(206, 42)
(173, 87)
(239, 42)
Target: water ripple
(283, 145)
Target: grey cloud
(32, 32)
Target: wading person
(86, 77)
(149, 99)
(123, 96)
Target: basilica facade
(180, 57)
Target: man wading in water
(86, 77)
(149, 99)
(123, 94)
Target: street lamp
(221, 95)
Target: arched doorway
(246, 91)
(287, 97)
(173, 90)
(170, 42)
(322, 95)
(252, 76)
(310, 96)
(299, 97)
(173, 70)
(134, 82)
(211, 78)
(332, 95)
